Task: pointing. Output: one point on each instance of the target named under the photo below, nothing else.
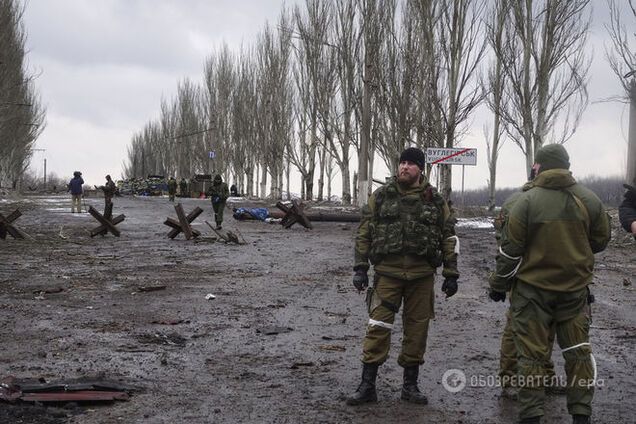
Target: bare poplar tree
(244, 146)
(22, 115)
(372, 33)
(545, 66)
(312, 26)
(274, 102)
(622, 59)
(451, 47)
(397, 78)
(494, 85)
(220, 85)
(462, 48)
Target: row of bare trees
(21, 112)
(334, 79)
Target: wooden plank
(13, 216)
(294, 214)
(176, 225)
(6, 227)
(283, 207)
(14, 232)
(185, 225)
(300, 212)
(108, 211)
(109, 226)
(102, 230)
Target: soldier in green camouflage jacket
(406, 233)
(508, 351)
(546, 259)
(218, 193)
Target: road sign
(211, 154)
(451, 156)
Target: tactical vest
(407, 224)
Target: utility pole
(42, 150)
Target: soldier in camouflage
(172, 188)
(218, 193)
(508, 351)
(546, 261)
(406, 233)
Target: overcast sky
(104, 66)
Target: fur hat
(415, 155)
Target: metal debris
(12, 390)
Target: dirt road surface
(281, 340)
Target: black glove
(450, 286)
(497, 296)
(360, 280)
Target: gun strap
(586, 215)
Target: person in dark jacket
(75, 187)
(627, 209)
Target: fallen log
(314, 216)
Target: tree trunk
(287, 172)
(263, 191)
(365, 133)
(346, 182)
(322, 158)
(355, 188)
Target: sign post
(211, 156)
(452, 156)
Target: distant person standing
(183, 188)
(172, 188)
(233, 190)
(75, 187)
(627, 209)
(109, 190)
(218, 193)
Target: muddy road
(280, 341)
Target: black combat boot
(366, 390)
(410, 391)
(581, 419)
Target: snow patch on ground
(482, 222)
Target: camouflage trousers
(388, 295)
(218, 212)
(534, 312)
(508, 355)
